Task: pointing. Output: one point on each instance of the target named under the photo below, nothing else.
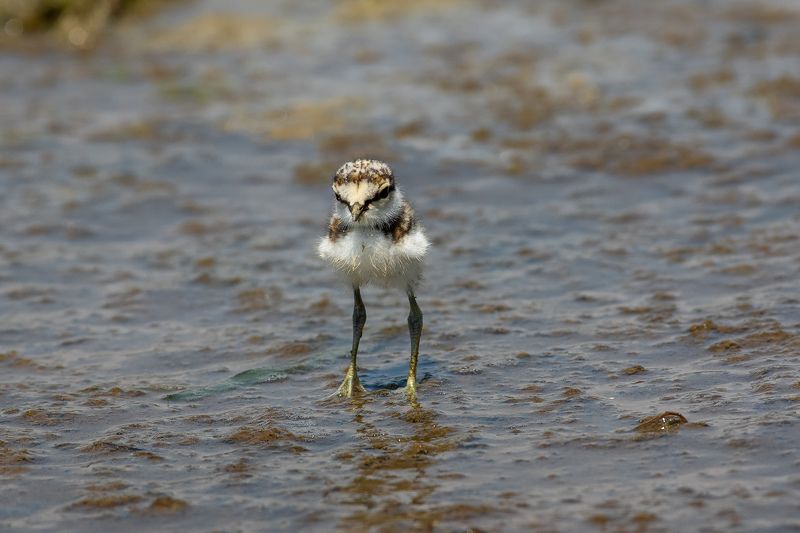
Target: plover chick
(374, 237)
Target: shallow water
(612, 192)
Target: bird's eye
(383, 194)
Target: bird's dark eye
(383, 194)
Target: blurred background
(612, 190)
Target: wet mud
(612, 334)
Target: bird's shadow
(393, 377)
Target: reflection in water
(393, 484)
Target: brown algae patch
(167, 505)
(638, 522)
(724, 346)
(782, 95)
(651, 314)
(141, 130)
(394, 515)
(104, 502)
(313, 172)
(378, 10)
(111, 486)
(707, 327)
(13, 461)
(634, 370)
(113, 392)
(241, 467)
(705, 80)
(103, 447)
(775, 336)
(196, 228)
(630, 156)
(666, 421)
(351, 144)
(743, 269)
(41, 417)
(291, 349)
(150, 456)
(270, 436)
(14, 360)
(205, 263)
(773, 339)
(96, 402)
(77, 23)
(307, 120)
(257, 299)
(216, 32)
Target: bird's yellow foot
(351, 386)
(411, 389)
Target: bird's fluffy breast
(369, 255)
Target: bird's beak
(356, 211)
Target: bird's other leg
(415, 332)
(351, 385)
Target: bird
(374, 237)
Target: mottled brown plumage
(335, 228)
(402, 224)
(363, 170)
(397, 227)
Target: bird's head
(365, 191)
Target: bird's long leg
(415, 332)
(351, 385)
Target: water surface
(612, 192)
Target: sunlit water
(612, 192)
